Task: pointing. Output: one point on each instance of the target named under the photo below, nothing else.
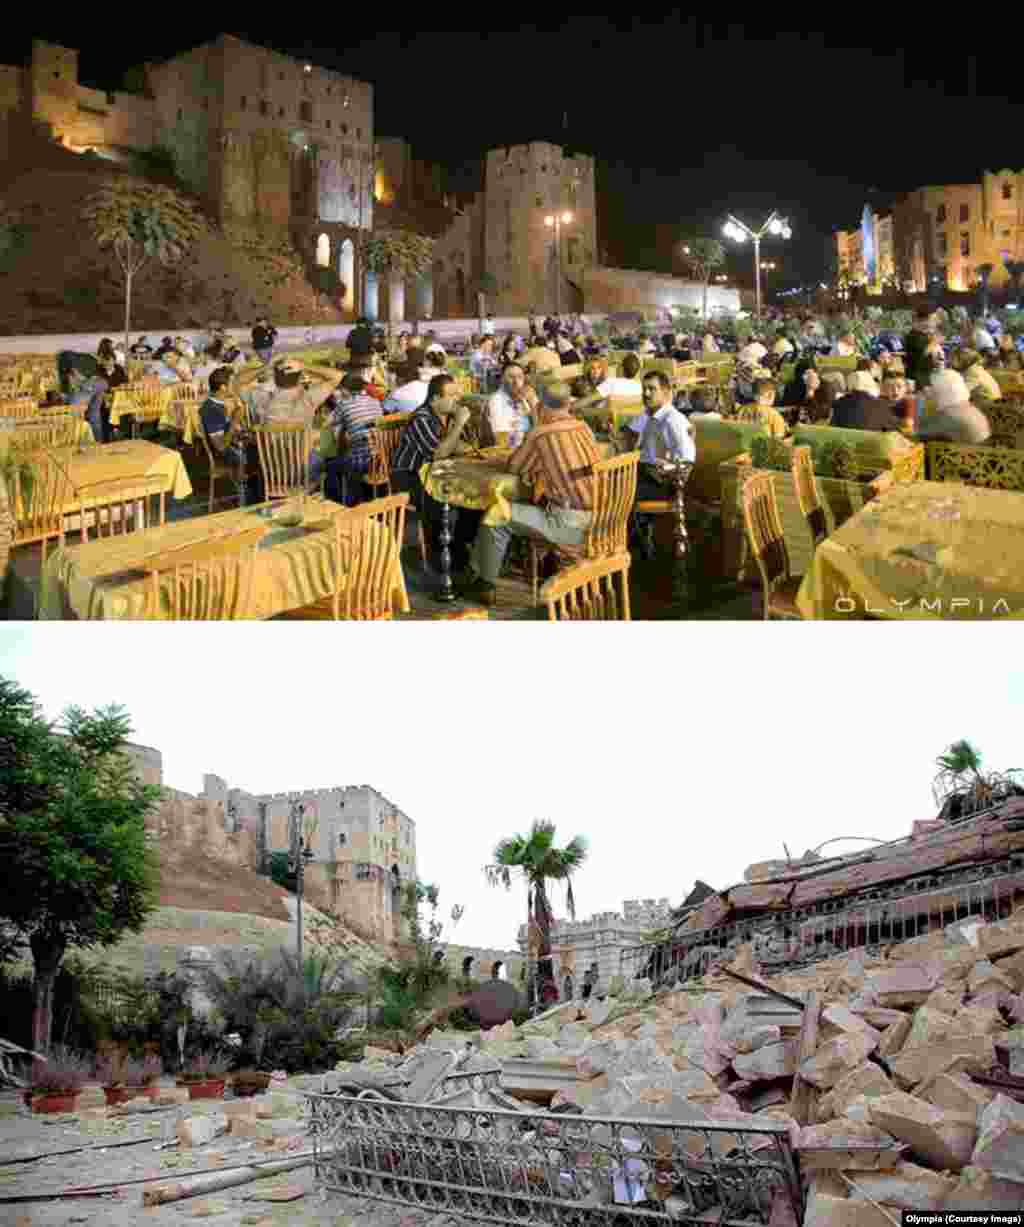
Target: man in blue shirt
(227, 438)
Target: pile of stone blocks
(883, 1080)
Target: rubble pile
(900, 1077)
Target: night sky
(686, 120)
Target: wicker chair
(113, 505)
(19, 408)
(218, 468)
(802, 468)
(768, 545)
(592, 591)
(284, 452)
(608, 532)
(40, 491)
(216, 589)
(363, 560)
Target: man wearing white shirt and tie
(661, 432)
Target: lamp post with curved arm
(740, 232)
(557, 220)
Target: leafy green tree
(536, 859)
(138, 222)
(398, 251)
(414, 977)
(701, 258)
(281, 871)
(72, 837)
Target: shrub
(65, 1071)
(770, 453)
(280, 872)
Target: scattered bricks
(580, 1095)
(540, 1049)
(1000, 1147)
(979, 1020)
(1014, 968)
(946, 1000)
(978, 1188)
(172, 1095)
(858, 1109)
(838, 1020)
(198, 1130)
(247, 1127)
(866, 1079)
(837, 1057)
(573, 1035)
(771, 1061)
(953, 964)
(90, 1097)
(277, 1104)
(998, 940)
(956, 1093)
(907, 984)
(879, 1017)
(905, 1186)
(895, 1037)
(757, 1037)
(828, 1210)
(971, 1054)
(929, 1027)
(943, 1139)
(86, 1114)
(239, 1107)
(985, 975)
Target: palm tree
(535, 858)
(960, 772)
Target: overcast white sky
(680, 750)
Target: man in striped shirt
(424, 439)
(557, 461)
(344, 449)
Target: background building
(943, 234)
(601, 939)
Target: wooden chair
(365, 550)
(19, 408)
(592, 591)
(214, 589)
(40, 491)
(768, 545)
(45, 436)
(149, 404)
(284, 451)
(218, 468)
(802, 468)
(113, 505)
(608, 531)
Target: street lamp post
(301, 855)
(557, 220)
(775, 225)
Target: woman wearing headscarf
(795, 392)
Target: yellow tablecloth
(138, 458)
(483, 484)
(924, 550)
(183, 417)
(122, 402)
(107, 579)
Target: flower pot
(251, 1086)
(118, 1094)
(208, 1088)
(54, 1101)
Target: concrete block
(90, 1097)
(904, 1186)
(198, 1130)
(172, 1095)
(895, 1037)
(1000, 1146)
(929, 1026)
(838, 1057)
(943, 1139)
(970, 1054)
(1014, 968)
(827, 1210)
(906, 984)
(837, 1019)
(947, 999)
(864, 1079)
(756, 1037)
(580, 1094)
(539, 1048)
(537, 1080)
(248, 1127)
(979, 1020)
(986, 976)
(956, 1093)
(847, 1145)
(879, 1017)
(771, 1061)
(240, 1107)
(599, 1058)
(996, 941)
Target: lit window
(280, 112)
(965, 244)
(243, 102)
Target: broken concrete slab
(538, 1081)
(929, 1027)
(837, 1020)
(757, 1037)
(905, 1186)
(836, 1058)
(907, 984)
(833, 1210)
(971, 1054)
(894, 1037)
(866, 1079)
(996, 941)
(846, 1145)
(985, 976)
(771, 1061)
(956, 1093)
(198, 1130)
(1000, 1146)
(942, 1138)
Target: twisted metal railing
(554, 1170)
(800, 936)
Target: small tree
(701, 257)
(72, 837)
(139, 221)
(398, 251)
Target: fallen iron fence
(555, 1170)
(871, 921)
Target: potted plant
(143, 1075)
(113, 1072)
(249, 1082)
(203, 1074)
(57, 1081)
